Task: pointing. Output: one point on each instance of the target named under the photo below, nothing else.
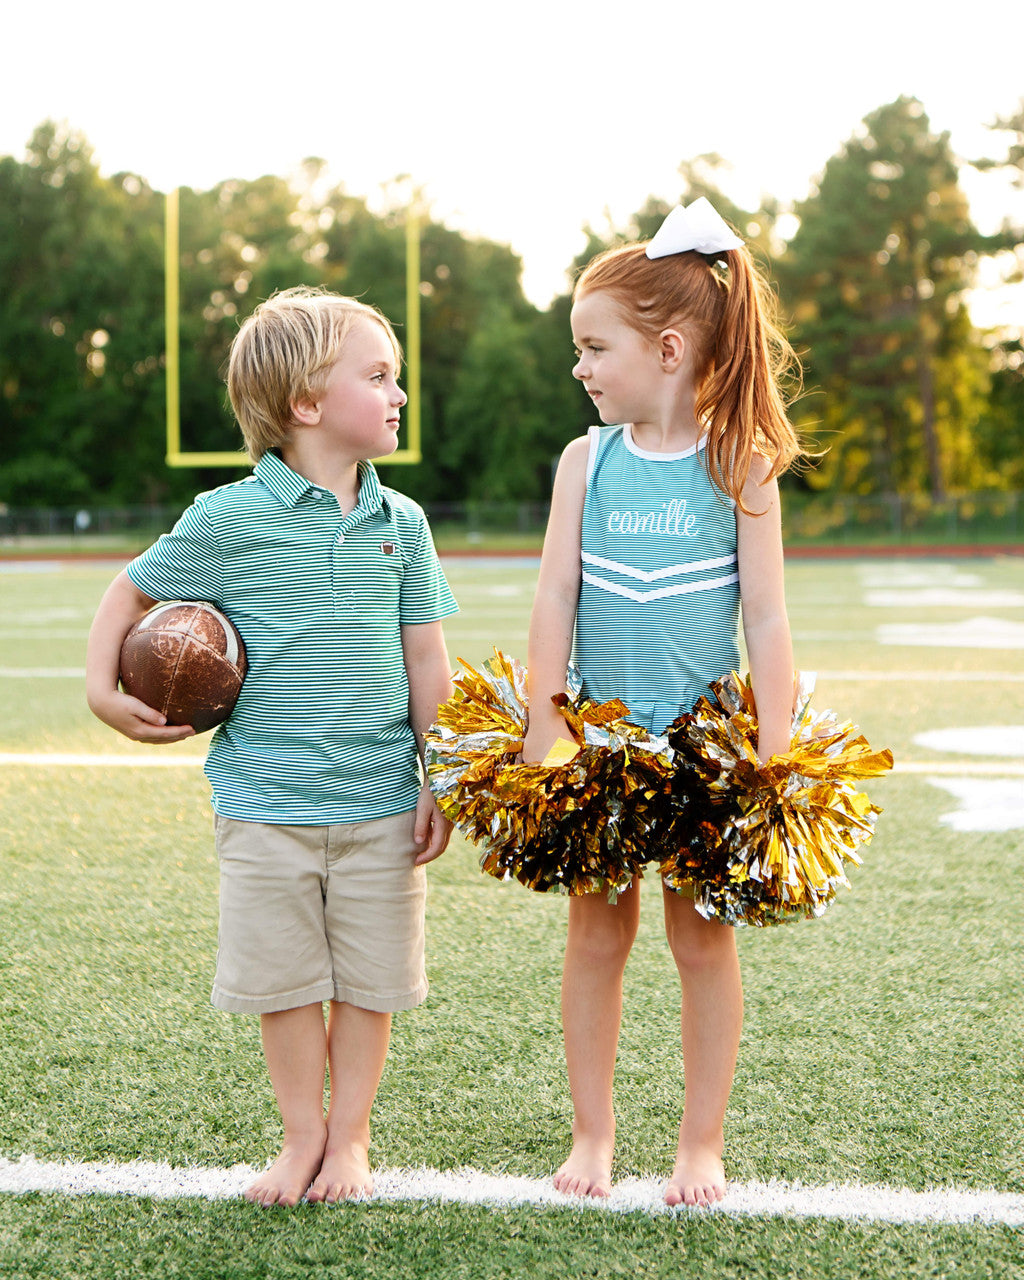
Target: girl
(660, 530)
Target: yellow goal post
(175, 457)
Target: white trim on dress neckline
(634, 448)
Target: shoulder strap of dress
(594, 436)
(598, 437)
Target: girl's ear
(306, 412)
(671, 349)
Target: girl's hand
(767, 748)
(541, 735)
(135, 720)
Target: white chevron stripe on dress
(660, 593)
(694, 566)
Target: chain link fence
(985, 517)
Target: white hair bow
(698, 226)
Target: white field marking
(42, 673)
(977, 740)
(986, 804)
(800, 633)
(945, 598)
(932, 677)
(896, 573)
(960, 768)
(489, 637)
(46, 617)
(113, 562)
(43, 633)
(972, 633)
(66, 759)
(848, 1201)
(482, 566)
(497, 613)
(891, 677)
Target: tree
(876, 278)
(467, 286)
(239, 242)
(1001, 430)
(82, 318)
(510, 411)
(1014, 159)
(81, 325)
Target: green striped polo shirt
(321, 731)
(659, 591)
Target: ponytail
(741, 403)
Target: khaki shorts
(319, 913)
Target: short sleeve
(426, 596)
(183, 564)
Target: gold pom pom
(754, 844)
(582, 821)
(787, 828)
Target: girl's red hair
(741, 354)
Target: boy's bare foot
(289, 1177)
(344, 1174)
(698, 1177)
(588, 1170)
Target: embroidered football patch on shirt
(388, 548)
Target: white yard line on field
(986, 804)
(970, 768)
(868, 677)
(66, 759)
(971, 633)
(937, 597)
(468, 1186)
(42, 673)
(975, 740)
(926, 677)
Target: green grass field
(883, 1044)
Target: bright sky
(521, 121)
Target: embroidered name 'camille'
(671, 520)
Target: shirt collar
(289, 487)
(285, 484)
(372, 496)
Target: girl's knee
(601, 940)
(699, 945)
(601, 930)
(600, 951)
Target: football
(186, 660)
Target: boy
(323, 825)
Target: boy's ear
(671, 349)
(306, 412)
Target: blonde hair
(283, 352)
(741, 354)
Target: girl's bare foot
(289, 1177)
(344, 1174)
(588, 1170)
(698, 1177)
